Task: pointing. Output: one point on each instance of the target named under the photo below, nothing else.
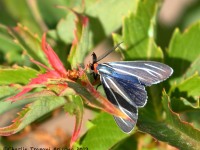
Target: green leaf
(6, 91)
(192, 116)
(183, 49)
(32, 112)
(6, 106)
(18, 75)
(29, 42)
(80, 47)
(26, 15)
(171, 129)
(190, 137)
(182, 105)
(190, 86)
(106, 16)
(139, 34)
(117, 38)
(103, 135)
(129, 143)
(9, 48)
(194, 68)
(50, 14)
(75, 107)
(66, 25)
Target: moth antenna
(110, 51)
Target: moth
(124, 84)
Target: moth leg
(98, 86)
